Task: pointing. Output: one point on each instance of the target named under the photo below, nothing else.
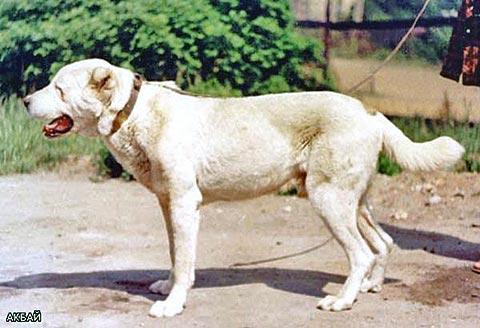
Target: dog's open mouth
(58, 126)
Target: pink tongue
(60, 125)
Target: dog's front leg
(164, 287)
(184, 218)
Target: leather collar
(123, 115)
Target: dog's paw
(166, 309)
(326, 302)
(370, 286)
(162, 287)
(334, 303)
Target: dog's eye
(60, 91)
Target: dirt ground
(409, 89)
(84, 254)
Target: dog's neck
(125, 148)
(123, 115)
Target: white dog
(190, 150)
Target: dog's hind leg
(380, 243)
(338, 209)
(339, 169)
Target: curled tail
(440, 153)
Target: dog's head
(83, 97)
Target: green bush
(249, 45)
(214, 88)
(432, 46)
(385, 9)
(387, 166)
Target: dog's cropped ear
(102, 79)
(103, 82)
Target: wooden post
(326, 42)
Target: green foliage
(249, 46)
(432, 46)
(23, 148)
(214, 88)
(386, 166)
(99, 161)
(385, 9)
(274, 84)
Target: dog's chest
(132, 157)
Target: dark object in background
(463, 57)
(115, 168)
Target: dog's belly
(242, 184)
(246, 163)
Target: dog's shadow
(433, 242)
(136, 282)
(305, 282)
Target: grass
(24, 149)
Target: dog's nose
(26, 101)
